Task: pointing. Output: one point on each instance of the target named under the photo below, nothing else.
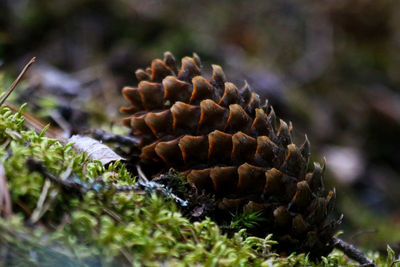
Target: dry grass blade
(14, 84)
(5, 200)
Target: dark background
(330, 67)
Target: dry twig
(14, 84)
(37, 213)
(352, 252)
(5, 200)
(114, 138)
(79, 187)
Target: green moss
(52, 226)
(248, 220)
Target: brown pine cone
(229, 143)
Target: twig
(34, 165)
(48, 199)
(113, 215)
(352, 252)
(80, 187)
(37, 213)
(142, 176)
(127, 256)
(14, 84)
(5, 200)
(114, 138)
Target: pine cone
(230, 144)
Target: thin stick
(115, 138)
(352, 252)
(39, 205)
(78, 188)
(14, 84)
(142, 176)
(5, 199)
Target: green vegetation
(50, 225)
(247, 220)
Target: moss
(248, 220)
(53, 226)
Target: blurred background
(330, 67)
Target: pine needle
(15, 83)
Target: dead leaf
(94, 149)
